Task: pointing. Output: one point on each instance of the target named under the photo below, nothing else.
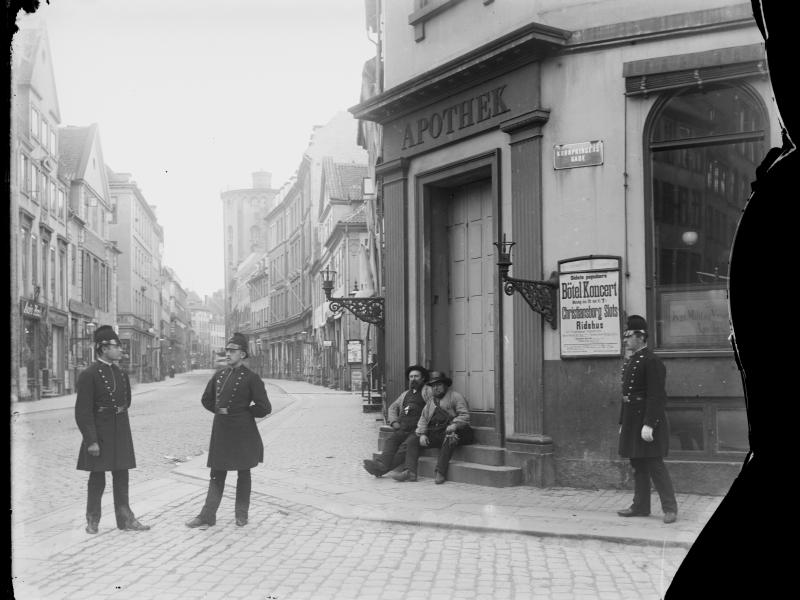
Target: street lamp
(370, 310)
(540, 295)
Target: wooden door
(471, 276)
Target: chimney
(262, 180)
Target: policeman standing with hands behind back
(644, 430)
(237, 397)
(101, 412)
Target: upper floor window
(704, 148)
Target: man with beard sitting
(403, 415)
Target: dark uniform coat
(236, 397)
(643, 400)
(101, 412)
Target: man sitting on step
(403, 415)
(444, 424)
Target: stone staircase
(481, 463)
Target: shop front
(33, 348)
(621, 196)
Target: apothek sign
(460, 115)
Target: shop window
(704, 148)
(715, 429)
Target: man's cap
(239, 340)
(636, 324)
(440, 377)
(104, 334)
(421, 369)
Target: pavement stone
(317, 504)
(329, 478)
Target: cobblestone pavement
(322, 528)
(168, 423)
(293, 552)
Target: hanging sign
(354, 351)
(32, 310)
(581, 154)
(590, 311)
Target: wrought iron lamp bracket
(370, 310)
(540, 295)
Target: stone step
(476, 453)
(474, 473)
(487, 436)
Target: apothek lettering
(455, 117)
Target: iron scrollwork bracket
(540, 295)
(369, 310)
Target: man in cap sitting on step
(444, 424)
(403, 415)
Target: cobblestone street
(320, 527)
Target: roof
(343, 180)
(358, 216)
(73, 145)
(26, 42)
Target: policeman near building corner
(101, 412)
(644, 430)
(237, 397)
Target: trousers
(96, 487)
(436, 440)
(390, 456)
(645, 469)
(216, 486)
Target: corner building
(614, 151)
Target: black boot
(94, 496)
(208, 515)
(126, 521)
(243, 485)
(92, 522)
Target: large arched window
(704, 147)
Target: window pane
(686, 429)
(732, 430)
(703, 113)
(694, 219)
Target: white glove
(647, 433)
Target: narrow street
(290, 549)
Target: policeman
(237, 397)
(101, 412)
(644, 430)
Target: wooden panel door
(471, 293)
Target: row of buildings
(86, 249)
(278, 241)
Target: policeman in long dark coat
(644, 429)
(237, 397)
(101, 412)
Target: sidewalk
(344, 489)
(68, 401)
(328, 479)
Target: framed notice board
(590, 306)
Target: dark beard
(414, 387)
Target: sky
(193, 96)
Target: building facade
(341, 341)
(93, 261)
(39, 213)
(175, 310)
(139, 238)
(243, 212)
(617, 155)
